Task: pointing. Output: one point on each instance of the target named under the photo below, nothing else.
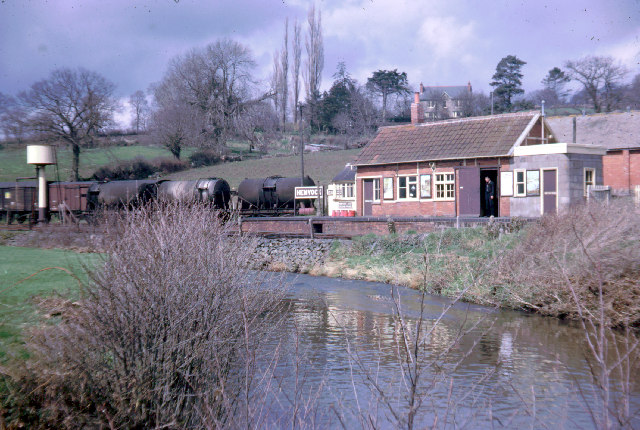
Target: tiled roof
(487, 136)
(613, 130)
(347, 174)
(453, 92)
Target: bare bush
(587, 246)
(166, 333)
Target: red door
(549, 192)
(469, 191)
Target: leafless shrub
(166, 333)
(587, 246)
(585, 264)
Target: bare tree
(600, 77)
(276, 81)
(297, 58)
(70, 105)
(215, 83)
(11, 118)
(284, 78)
(140, 105)
(315, 60)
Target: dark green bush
(204, 157)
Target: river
(479, 367)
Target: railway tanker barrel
(250, 194)
(126, 193)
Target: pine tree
(507, 82)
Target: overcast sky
(436, 42)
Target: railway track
(18, 227)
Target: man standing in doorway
(489, 191)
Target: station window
(345, 191)
(376, 190)
(589, 178)
(520, 189)
(445, 186)
(407, 187)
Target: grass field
(321, 166)
(13, 161)
(17, 309)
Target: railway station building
(439, 168)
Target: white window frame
(448, 181)
(376, 190)
(591, 170)
(346, 190)
(431, 103)
(516, 193)
(408, 183)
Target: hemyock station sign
(308, 192)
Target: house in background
(619, 133)
(443, 102)
(438, 168)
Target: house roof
(612, 130)
(347, 174)
(475, 137)
(453, 92)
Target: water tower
(40, 156)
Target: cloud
(447, 37)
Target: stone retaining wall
(291, 255)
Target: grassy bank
(18, 299)
(570, 265)
(321, 166)
(442, 263)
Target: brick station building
(438, 168)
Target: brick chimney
(417, 110)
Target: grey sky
(436, 42)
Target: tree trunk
(75, 166)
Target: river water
(342, 362)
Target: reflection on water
(479, 367)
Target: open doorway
(492, 174)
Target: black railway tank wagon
(120, 194)
(272, 195)
(214, 191)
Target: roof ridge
(476, 118)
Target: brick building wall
(424, 207)
(622, 170)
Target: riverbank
(560, 266)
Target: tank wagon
(214, 191)
(119, 194)
(272, 195)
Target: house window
(407, 187)
(445, 186)
(589, 178)
(345, 191)
(456, 114)
(520, 183)
(431, 103)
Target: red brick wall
(420, 207)
(621, 170)
(635, 168)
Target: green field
(17, 308)
(321, 166)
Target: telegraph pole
(301, 147)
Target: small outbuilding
(341, 196)
(443, 168)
